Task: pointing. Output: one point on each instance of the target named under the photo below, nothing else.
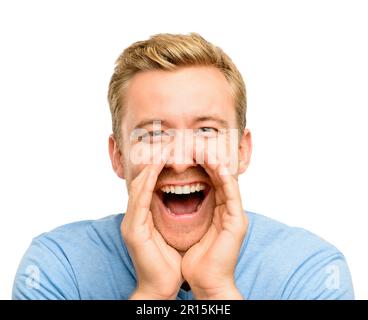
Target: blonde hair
(166, 51)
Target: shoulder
(282, 239)
(79, 241)
(66, 262)
(81, 233)
(298, 263)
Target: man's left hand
(209, 265)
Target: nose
(181, 157)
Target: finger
(223, 181)
(210, 163)
(143, 185)
(206, 159)
(230, 187)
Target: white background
(306, 70)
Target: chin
(183, 240)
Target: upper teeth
(188, 188)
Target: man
(175, 101)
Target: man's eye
(206, 132)
(156, 133)
(153, 136)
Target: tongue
(182, 204)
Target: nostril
(181, 158)
(179, 168)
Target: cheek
(226, 150)
(131, 172)
(141, 154)
(138, 156)
(131, 169)
(219, 147)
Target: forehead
(178, 96)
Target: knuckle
(241, 226)
(134, 185)
(244, 225)
(125, 230)
(129, 233)
(128, 236)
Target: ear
(245, 151)
(116, 157)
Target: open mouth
(183, 199)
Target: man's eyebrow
(146, 122)
(220, 121)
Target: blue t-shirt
(89, 260)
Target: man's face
(195, 98)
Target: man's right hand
(157, 265)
